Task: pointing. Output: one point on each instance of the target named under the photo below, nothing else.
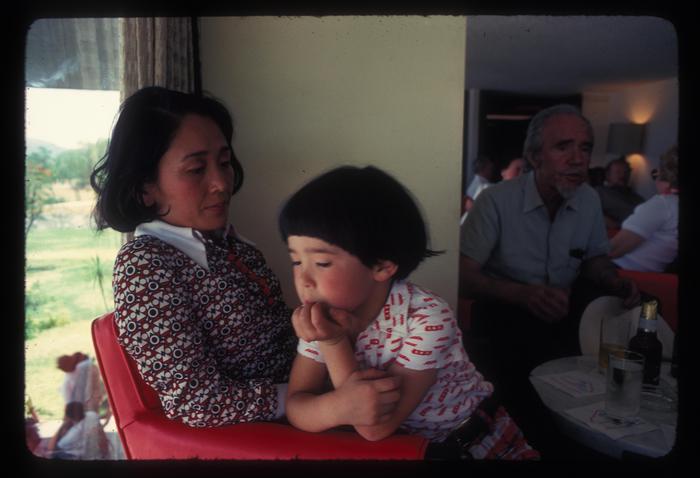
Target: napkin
(576, 383)
(595, 417)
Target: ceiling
(562, 55)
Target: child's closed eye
(323, 264)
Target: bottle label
(647, 325)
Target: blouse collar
(186, 239)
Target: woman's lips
(217, 208)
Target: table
(655, 443)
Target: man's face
(562, 164)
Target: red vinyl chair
(663, 286)
(146, 433)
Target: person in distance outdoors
(648, 239)
(196, 305)
(354, 235)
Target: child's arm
(338, 353)
(414, 385)
(366, 397)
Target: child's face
(328, 274)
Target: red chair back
(661, 285)
(146, 433)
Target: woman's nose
(219, 179)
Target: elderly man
(524, 244)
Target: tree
(75, 165)
(37, 191)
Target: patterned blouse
(418, 330)
(212, 341)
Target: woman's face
(195, 177)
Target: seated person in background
(523, 245)
(354, 235)
(80, 436)
(82, 382)
(484, 170)
(515, 168)
(648, 239)
(596, 176)
(617, 198)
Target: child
(354, 235)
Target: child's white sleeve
(434, 340)
(310, 350)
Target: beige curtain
(158, 51)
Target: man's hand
(626, 289)
(550, 304)
(368, 397)
(315, 322)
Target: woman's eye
(323, 264)
(196, 170)
(296, 263)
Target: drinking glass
(623, 390)
(614, 335)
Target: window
(73, 73)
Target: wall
(654, 103)
(310, 93)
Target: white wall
(654, 103)
(311, 93)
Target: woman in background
(648, 239)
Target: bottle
(647, 343)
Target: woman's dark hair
(364, 211)
(147, 123)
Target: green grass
(62, 297)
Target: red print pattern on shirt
(212, 343)
(418, 330)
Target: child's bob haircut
(364, 211)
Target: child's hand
(369, 397)
(314, 322)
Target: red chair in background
(146, 433)
(663, 286)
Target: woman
(648, 239)
(196, 306)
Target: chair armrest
(153, 436)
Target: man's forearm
(474, 284)
(478, 286)
(601, 272)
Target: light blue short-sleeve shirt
(509, 232)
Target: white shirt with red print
(418, 330)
